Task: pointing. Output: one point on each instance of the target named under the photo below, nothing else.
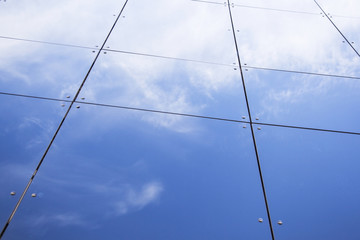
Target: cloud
(135, 200)
(60, 219)
(266, 39)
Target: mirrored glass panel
(303, 99)
(166, 85)
(42, 69)
(346, 17)
(183, 29)
(346, 8)
(124, 174)
(73, 22)
(292, 41)
(27, 126)
(349, 26)
(312, 182)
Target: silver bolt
(260, 220)
(63, 105)
(33, 195)
(280, 222)
(259, 128)
(257, 118)
(243, 117)
(12, 193)
(244, 126)
(78, 107)
(67, 96)
(82, 98)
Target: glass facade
(183, 119)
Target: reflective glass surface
(312, 182)
(80, 23)
(166, 85)
(304, 99)
(178, 28)
(292, 41)
(349, 27)
(24, 135)
(119, 174)
(346, 17)
(158, 142)
(42, 69)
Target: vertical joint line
(251, 124)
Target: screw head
(244, 126)
(33, 195)
(257, 118)
(243, 117)
(12, 193)
(77, 107)
(259, 128)
(67, 96)
(63, 105)
(260, 220)
(280, 222)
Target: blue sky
(116, 173)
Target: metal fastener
(259, 128)
(244, 126)
(243, 117)
(12, 193)
(77, 106)
(280, 222)
(67, 96)
(260, 220)
(33, 195)
(257, 118)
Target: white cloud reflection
(135, 200)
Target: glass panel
(78, 22)
(166, 85)
(113, 174)
(27, 126)
(350, 28)
(312, 181)
(177, 28)
(42, 69)
(347, 8)
(346, 16)
(292, 41)
(304, 100)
